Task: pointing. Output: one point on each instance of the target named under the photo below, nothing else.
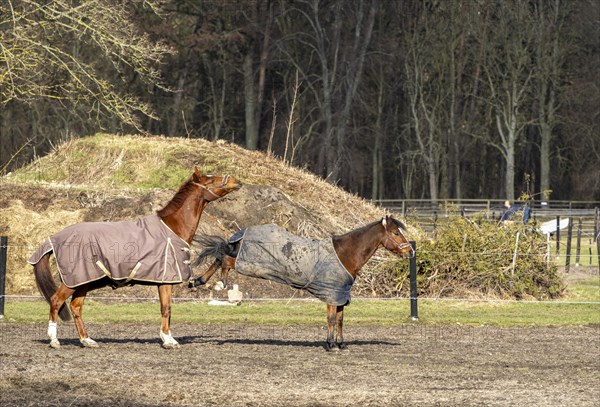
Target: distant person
(510, 210)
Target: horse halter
(225, 181)
(400, 246)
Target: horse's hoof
(331, 347)
(168, 341)
(88, 342)
(55, 344)
(343, 347)
(170, 345)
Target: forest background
(424, 99)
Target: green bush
(474, 258)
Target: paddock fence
(413, 289)
(576, 238)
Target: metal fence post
(3, 256)
(414, 311)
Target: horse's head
(214, 186)
(394, 240)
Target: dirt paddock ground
(244, 365)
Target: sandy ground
(245, 365)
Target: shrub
(474, 258)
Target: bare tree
(429, 89)
(509, 75)
(550, 56)
(339, 50)
(425, 107)
(259, 39)
(40, 57)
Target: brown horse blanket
(143, 250)
(270, 252)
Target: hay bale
(26, 228)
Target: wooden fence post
(597, 236)
(596, 223)
(569, 237)
(578, 247)
(598, 251)
(557, 236)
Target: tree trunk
(262, 69)
(250, 103)
(376, 167)
(550, 57)
(508, 133)
(545, 142)
(362, 37)
(176, 108)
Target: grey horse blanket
(143, 250)
(270, 252)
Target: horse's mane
(370, 225)
(185, 190)
(397, 223)
(391, 218)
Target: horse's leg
(164, 295)
(76, 310)
(227, 264)
(56, 301)
(203, 279)
(331, 320)
(339, 322)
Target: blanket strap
(115, 283)
(132, 274)
(102, 267)
(105, 270)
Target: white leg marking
(52, 334)
(168, 341)
(88, 342)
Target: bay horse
(85, 263)
(352, 250)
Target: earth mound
(112, 178)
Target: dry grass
(105, 162)
(25, 228)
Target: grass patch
(588, 256)
(360, 312)
(509, 314)
(585, 289)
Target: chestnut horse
(176, 222)
(353, 250)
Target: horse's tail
(213, 247)
(46, 284)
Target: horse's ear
(197, 174)
(384, 221)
